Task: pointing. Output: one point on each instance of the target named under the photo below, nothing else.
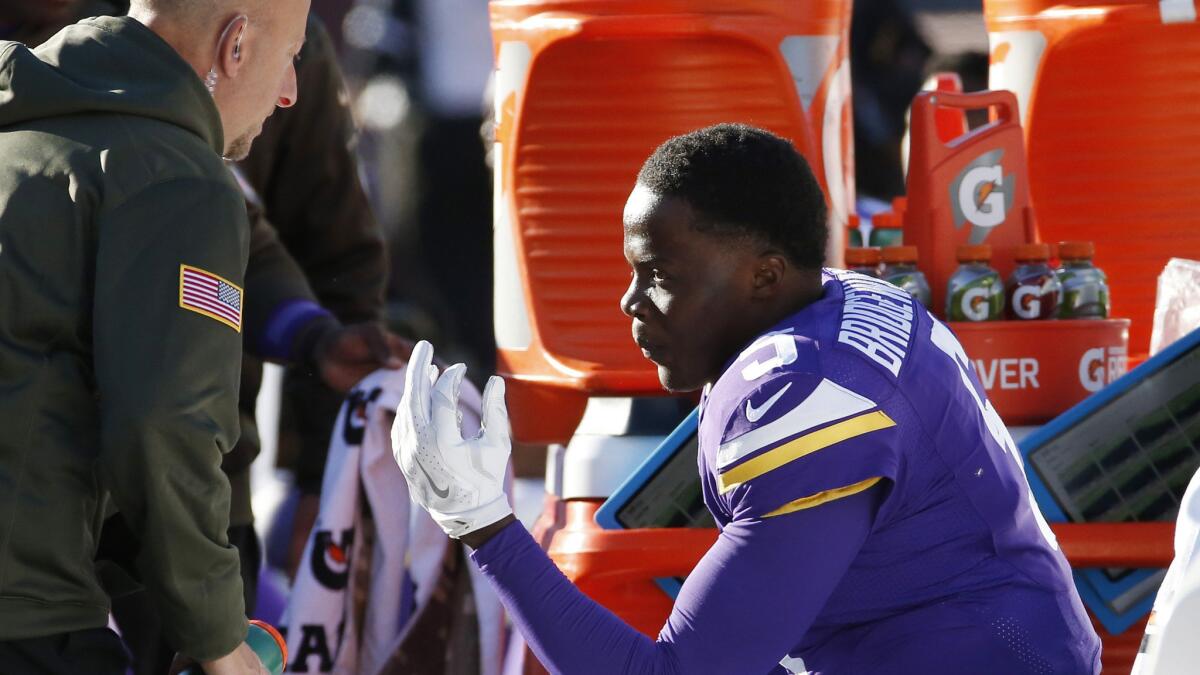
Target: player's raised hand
(460, 481)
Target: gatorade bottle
(1084, 286)
(1033, 290)
(886, 230)
(854, 238)
(266, 642)
(975, 291)
(900, 269)
(863, 260)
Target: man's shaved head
(243, 50)
(199, 11)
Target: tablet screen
(1131, 458)
(671, 496)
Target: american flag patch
(208, 294)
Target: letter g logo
(1027, 302)
(1091, 369)
(975, 303)
(981, 195)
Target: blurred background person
(419, 70)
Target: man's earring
(210, 82)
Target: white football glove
(460, 482)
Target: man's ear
(769, 273)
(230, 51)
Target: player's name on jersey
(877, 320)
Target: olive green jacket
(113, 385)
(312, 237)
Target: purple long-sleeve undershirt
(748, 602)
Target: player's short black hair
(743, 181)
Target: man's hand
(460, 482)
(241, 661)
(349, 353)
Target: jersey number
(945, 341)
(782, 344)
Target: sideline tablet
(664, 491)
(1124, 454)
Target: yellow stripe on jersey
(822, 497)
(804, 445)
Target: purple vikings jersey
(874, 518)
(865, 388)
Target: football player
(874, 513)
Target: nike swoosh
(440, 492)
(755, 414)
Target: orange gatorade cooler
(970, 190)
(1034, 370)
(1108, 98)
(585, 90)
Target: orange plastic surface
(1035, 370)
(617, 567)
(971, 190)
(951, 123)
(1110, 123)
(586, 89)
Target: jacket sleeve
(304, 169)
(167, 367)
(283, 315)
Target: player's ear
(231, 52)
(768, 274)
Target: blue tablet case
(1141, 430)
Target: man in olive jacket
(315, 251)
(315, 274)
(123, 245)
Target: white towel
(320, 628)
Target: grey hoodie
(123, 245)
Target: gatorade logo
(1027, 302)
(331, 560)
(1099, 367)
(355, 424)
(974, 303)
(982, 195)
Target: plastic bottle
(975, 291)
(900, 269)
(266, 642)
(1084, 286)
(1033, 290)
(854, 238)
(886, 230)
(863, 260)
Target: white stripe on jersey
(828, 402)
